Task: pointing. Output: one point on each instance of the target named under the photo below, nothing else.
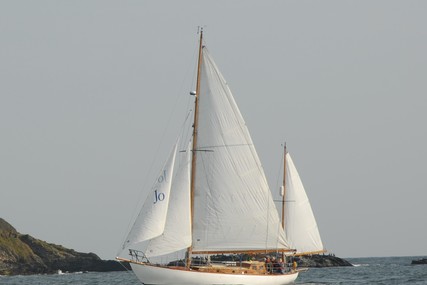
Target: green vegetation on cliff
(23, 254)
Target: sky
(91, 95)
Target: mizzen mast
(283, 193)
(283, 190)
(194, 148)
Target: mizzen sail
(301, 228)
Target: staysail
(177, 232)
(301, 228)
(151, 220)
(233, 205)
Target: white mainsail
(233, 205)
(151, 220)
(301, 228)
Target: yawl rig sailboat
(216, 200)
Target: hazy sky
(87, 89)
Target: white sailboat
(216, 200)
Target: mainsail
(301, 228)
(233, 205)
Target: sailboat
(211, 198)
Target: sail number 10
(160, 196)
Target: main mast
(194, 148)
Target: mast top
(200, 31)
(284, 147)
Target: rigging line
(268, 216)
(179, 95)
(278, 235)
(140, 201)
(126, 269)
(186, 131)
(224, 146)
(193, 78)
(280, 171)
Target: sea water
(374, 270)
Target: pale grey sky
(87, 89)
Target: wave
(59, 272)
(359, 265)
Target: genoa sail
(301, 228)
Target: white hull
(148, 274)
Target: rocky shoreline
(321, 260)
(419, 261)
(21, 254)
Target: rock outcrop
(419, 261)
(23, 254)
(321, 260)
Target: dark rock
(318, 260)
(23, 254)
(6, 228)
(419, 261)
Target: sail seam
(221, 146)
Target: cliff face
(23, 254)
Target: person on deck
(268, 264)
(278, 266)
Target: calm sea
(374, 270)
